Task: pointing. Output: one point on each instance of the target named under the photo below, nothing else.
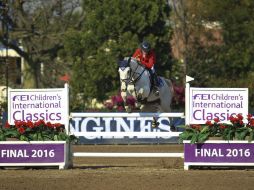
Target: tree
(36, 29)
(111, 30)
(220, 46)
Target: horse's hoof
(155, 124)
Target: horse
(136, 81)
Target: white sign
(140, 125)
(210, 103)
(38, 104)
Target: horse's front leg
(124, 96)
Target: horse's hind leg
(155, 122)
(155, 108)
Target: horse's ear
(129, 60)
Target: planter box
(35, 153)
(218, 153)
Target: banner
(121, 124)
(32, 153)
(36, 104)
(210, 103)
(219, 152)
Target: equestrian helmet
(146, 47)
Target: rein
(131, 79)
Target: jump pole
(187, 99)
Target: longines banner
(35, 104)
(123, 124)
(210, 103)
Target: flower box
(218, 153)
(35, 153)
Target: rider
(146, 56)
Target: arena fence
(127, 134)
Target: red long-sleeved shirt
(148, 61)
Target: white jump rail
(128, 155)
(127, 134)
(145, 114)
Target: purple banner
(219, 152)
(32, 153)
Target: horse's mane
(137, 62)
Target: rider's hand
(138, 59)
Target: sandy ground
(126, 173)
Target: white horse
(136, 81)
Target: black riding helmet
(145, 46)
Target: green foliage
(215, 40)
(195, 133)
(236, 130)
(112, 30)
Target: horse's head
(127, 88)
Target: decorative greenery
(236, 129)
(35, 131)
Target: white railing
(127, 155)
(98, 114)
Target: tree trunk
(29, 76)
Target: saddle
(154, 78)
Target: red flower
(49, 125)
(249, 116)
(209, 123)
(251, 123)
(7, 125)
(197, 127)
(18, 124)
(223, 127)
(30, 124)
(216, 120)
(57, 125)
(232, 119)
(21, 130)
(240, 116)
